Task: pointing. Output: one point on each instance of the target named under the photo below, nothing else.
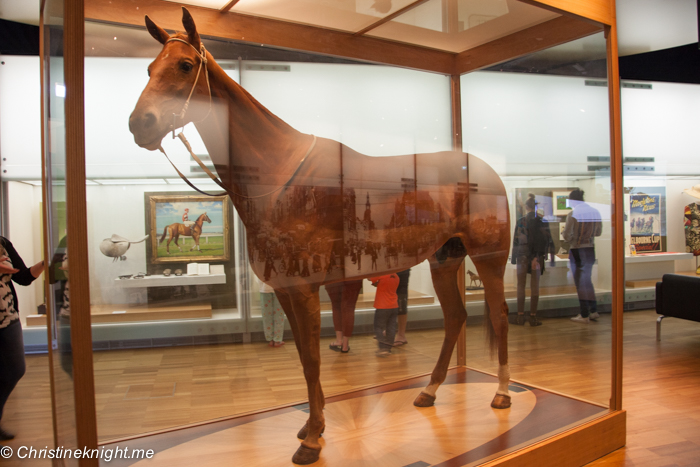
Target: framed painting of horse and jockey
(185, 227)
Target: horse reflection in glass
(313, 207)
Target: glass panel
(459, 25)
(346, 15)
(541, 122)
(58, 300)
(147, 317)
(662, 191)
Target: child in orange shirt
(386, 303)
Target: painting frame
(164, 207)
(557, 198)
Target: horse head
(178, 81)
(205, 218)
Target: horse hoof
(424, 400)
(305, 431)
(500, 401)
(305, 456)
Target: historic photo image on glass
(188, 228)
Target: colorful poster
(645, 222)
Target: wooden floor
(661, 383)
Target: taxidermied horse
(299, 193)
(176, 230)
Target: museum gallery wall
(391, 130)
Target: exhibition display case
(160, 328)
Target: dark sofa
(677, 296)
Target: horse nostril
(149, 119)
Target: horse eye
(186, 67)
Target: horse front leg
(286, 303)
(491, 269)
(306, 311)
(445, 281)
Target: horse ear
(156, 31)
(192, 34)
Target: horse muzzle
(147, 129)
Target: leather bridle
(202, 54)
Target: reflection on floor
(379, 427)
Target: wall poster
(646, 219)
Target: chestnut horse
(300, 196)
(177, 229)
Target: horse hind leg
(491, 269)
(445, 280)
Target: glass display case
(402, 159)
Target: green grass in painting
(209, 246)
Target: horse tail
(165, 231)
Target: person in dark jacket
(12, 366)
(532, 241)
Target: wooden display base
(36, 320)
(380, 427)
(125, 313)
(367, 301)
(646, 283)
(511, 292)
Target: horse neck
(254, 136)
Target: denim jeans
(582, 261)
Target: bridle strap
(186, 180)
(218, 181)
(202, 54)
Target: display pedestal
(554, 275)
(169, 281)
(380, 426)
(36, 320)
(125, 313)
(366, 301)
(645, 270)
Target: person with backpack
(583, 224)
(532, 241)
